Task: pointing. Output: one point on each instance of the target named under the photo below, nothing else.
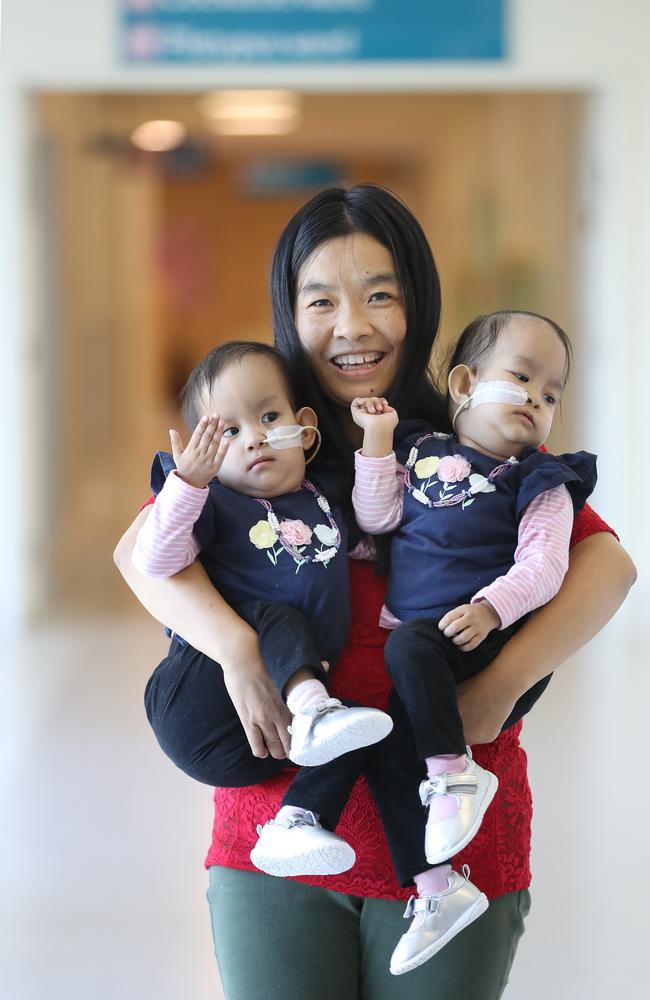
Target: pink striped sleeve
(378, 494)
(165, 543)
(541, 559)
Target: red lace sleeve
(588, 522)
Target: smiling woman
(356, 305)
(351, 314)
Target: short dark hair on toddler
(479, 337)
(216, 362)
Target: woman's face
(350, 317)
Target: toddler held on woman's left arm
(482, 521)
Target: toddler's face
(530, 354)
(251, 398)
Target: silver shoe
(447, 913)
(298, 845)
(331, 729)
(473, 789)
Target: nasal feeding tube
(492, 392)
(290, 436)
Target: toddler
(482, 523)
(236, 497)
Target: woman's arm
(599, 566)
(190, 606)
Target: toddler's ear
(306, 417)
(461, 383)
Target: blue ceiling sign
(310, 31)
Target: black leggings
(196, 725)
(425, 667)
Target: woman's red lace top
(499, 855)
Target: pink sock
(305, 695)
(445, 763)
(427, 884)
(433, 880)
(444, 806)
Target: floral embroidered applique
(262, 535)
(446, 474)
(294, 537)
(295, 533)
(427, 467)
(453, 469)
(480, 484)
(327, 536)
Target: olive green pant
(281, 940)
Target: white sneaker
(474, 788)
(446, 913)
(330, 730)
(298, 845)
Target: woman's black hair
(479, 337)
(215, 363)
(376, 212)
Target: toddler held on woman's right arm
(237, 497)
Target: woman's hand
(599, 567)
(190, 606)
(260, 708)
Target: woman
(356, 307)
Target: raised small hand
(373, 411)
(199, 462)
(378, 419)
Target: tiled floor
(102, 840)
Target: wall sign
(307, 31)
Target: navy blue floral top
(292, 548)
(462, 509)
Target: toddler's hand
(468, 624)
(373, 411)
(200, 461)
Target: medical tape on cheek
(498, 392)
(290, 436)
(492, 392)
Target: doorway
(147, 260)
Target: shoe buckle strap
(442, 784)
(323, 707)
(462, 782)
(307, 819)
(419, 904)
